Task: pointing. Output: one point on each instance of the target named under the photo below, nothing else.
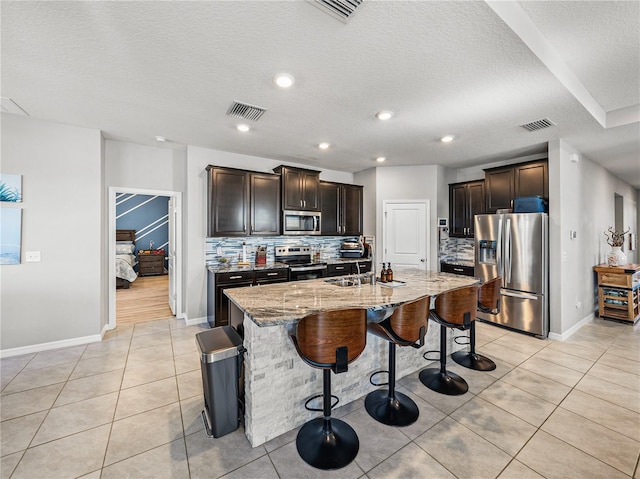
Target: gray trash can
(221, 365)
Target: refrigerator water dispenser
(487, 253)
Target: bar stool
(453, 309)
(489, 303)
(329, 341)
(407, 326)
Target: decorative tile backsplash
(456, 249)
(231, 248)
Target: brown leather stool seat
(407, 326)
(329, 341)
(488, 302)
(453, 309)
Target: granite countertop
(234, 267)
(286, 303)
(344, 260)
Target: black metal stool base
(399, 411)
(327, 449)
(473, 361)
(444, 383)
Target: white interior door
(172, 254)
(405, 233)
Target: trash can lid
(218, 343)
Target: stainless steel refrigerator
(515, 247)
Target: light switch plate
(32, 256)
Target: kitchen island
(278, 382)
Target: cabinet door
(265, 204)
(351, 209)
(291, 189)
(457, 210)
(310, 191)
(475, 205)
(329, 208)
(532, 180)
(228, 202)
(499, 189)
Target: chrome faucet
(372, 257)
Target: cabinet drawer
(338, 269)
(234, 277)
(611, 279)
(272, 275)
(365, 266)
(455, 269)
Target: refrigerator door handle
(519, 295)
(499, 251)
(507, 252)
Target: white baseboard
(191, 322)
(65, 343)
(567, 334)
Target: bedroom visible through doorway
(144, 280)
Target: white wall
(402, 183)
(196, 204)
(62, 296)
(581, 199)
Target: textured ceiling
(139, 69)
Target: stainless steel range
(300, 265)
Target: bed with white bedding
(125, 258)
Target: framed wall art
(10, 235)
(10, 188)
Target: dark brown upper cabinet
(465, 201)
(505, 183)
(242, 203)
(341, 208)
(300, 188)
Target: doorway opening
(156, 289)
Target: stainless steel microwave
(300, 222)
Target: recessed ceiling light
(243, 128)
(324, 145)
(384, 115)
(380, 159)
(161, 139)
(447, 139)
(284, 80)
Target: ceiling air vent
(538, 124)
(246, 111)
(340, 9)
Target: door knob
(422, 260)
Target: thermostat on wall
(443, 222)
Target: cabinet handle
(272, 274)
(300, 202)
(235, 277)
(459, 270)
(304, 203)
(339, 267)
(252, 229)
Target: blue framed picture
(10, 235)
(10, 188)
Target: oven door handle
(298, 269)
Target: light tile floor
(130, 405)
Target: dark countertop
(234, 267)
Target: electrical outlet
(565, 257)
(219, 251)
(578, 304)
(32, 256)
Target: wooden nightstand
(150, 262)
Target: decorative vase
(616, 257)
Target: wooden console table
(619, 292)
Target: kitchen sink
(349, 281)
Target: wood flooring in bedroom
(147, 298)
